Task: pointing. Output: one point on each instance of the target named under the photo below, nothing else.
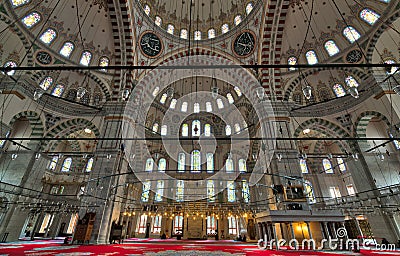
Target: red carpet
(153, 247)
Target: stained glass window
(53, 163)
(351, 34)
(48, 36)
(303, 166)
(149, 165)
(89, 165)
(184, 33)
(393, 69)
(66, 164)
(228, 130)
(156, 90)
(311, 57)
(180, 186)
(158, 21)
(331, 47)
(207, 130)
(242, 166)
(249, 7)
(238, 91)
(197, 35)
(245, 191)
(196, 161)
(162, 165)
(229, 165)
(67, 49)
(10, 64)
(173, 104)
(225, 28)
(231, 192)
(170, 29)
(164, 130)
(196, 128)
(86, 58)
(184, 107)
(31, 19)
(230, 98)
(339, 90)
(160, 191)
(2, 142)
(46, 83)
(309, 191)
(155, 127)
(220, 104)
(146, 191)
(327, 166)
(208, 106)
(292, 61)
(210, 162)
(104, 62)
(147, 9)
(185, 130)
(342, 166)
(196, 108)
(58, 90)
(17, 3)
(369, 16)
(351, 81)
(237, 20)
(181, 162)
(210, 191)
(163, 98)
(211, 33)
(237, 128)
(395, 142)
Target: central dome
(203, 19)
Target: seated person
(163, 236)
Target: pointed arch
(36, 123)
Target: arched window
(17, 3)
(342, 166)
(53, 163)
(104, 62)
(180, 187)
(10, 64)
(210, 191)
(211, 33)
(146, 191)
(228, 130)
(58, 90)
(170, 29)
(172, 105)
(197, 35)
(292, 61)
(158, 21)
(229, 165)
(327, 166)
(48, 36)
(149, 165)
(66, 164)
(184, 33)
(195, 161)
(162, 165)
(351, 81)
(245, 191)
(46, 83)
(181, 162)
(393, 69)
(369, 16)
(208, 106)
(2, 142)
(207, 130)
(231, 192)
(331, 47)
(159, 191)
(237, 20)
(238, 91)
(184, 107)
(303, 166)
(163, 98)
(164, 130)
(86, 57)
(237, 128)
(89, 165)
(220, 104)
(351, 34)
(311, 57)
(147, 9)
(185, 130)
(67, 49)
(155, 127)
(225, 28)
(196, 108)
(309, 191)
(31, 19)
(156, 90)
(339, 90)
(196, 128)
(249, 7)
(210, 162)
(242, 166)
(211, 225)
(230, 98)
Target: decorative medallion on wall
(354, 56)
(244, 43)
(43, 58)
(150, 44)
